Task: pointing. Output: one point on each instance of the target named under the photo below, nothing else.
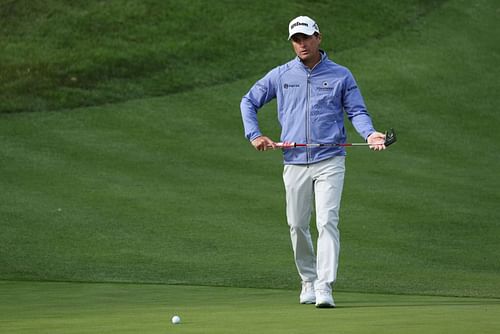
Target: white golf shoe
(307, 295)
(324, 299)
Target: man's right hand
(263, 143)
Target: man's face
(306, 47)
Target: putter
(390, 138)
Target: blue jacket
(310, 107)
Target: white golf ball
(176, 319)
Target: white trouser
(323, 183)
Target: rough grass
(59, 54)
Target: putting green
(36, 307)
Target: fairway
(128, 192)
(29, 307)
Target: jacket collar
(324, 57)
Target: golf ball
(176, 319)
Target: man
(312, 94)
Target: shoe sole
(325, 305)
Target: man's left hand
(376, 141)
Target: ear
(318, 36)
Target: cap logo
(298, 24)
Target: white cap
(303, 25)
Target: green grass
(127, 308)
(433, 200)
(81, 53)
(166, 189)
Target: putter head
(390, 137)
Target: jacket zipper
(308, 116)
(308, 111)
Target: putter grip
(286, 145)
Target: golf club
(390, 138)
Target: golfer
(312, 95)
